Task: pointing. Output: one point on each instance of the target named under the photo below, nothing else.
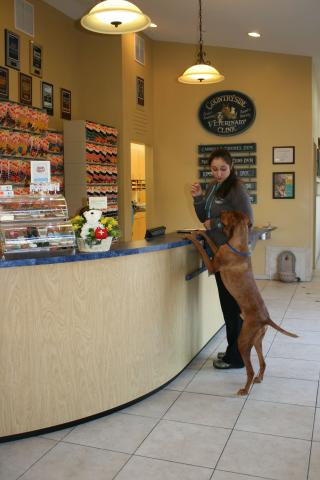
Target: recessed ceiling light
(153, 25)
(254, 34)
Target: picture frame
(140, 91)
(65, 103)
(12, 49)
(283, 155)
(25, 89)
(283, 185)
(47, 97)
(4, 83)
(36, 59)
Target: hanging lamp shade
(202, 72)
(115, 17)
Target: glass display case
(35, 225)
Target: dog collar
(237, 252)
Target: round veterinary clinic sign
(227, 113)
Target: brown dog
(233, 262)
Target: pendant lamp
(115, 17)
(202, 72)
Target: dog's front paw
(242, 392)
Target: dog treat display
(34, 225)
(24, 137)
(101, 164)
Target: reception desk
(88, 333)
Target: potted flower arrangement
(93, 231)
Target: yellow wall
(61, 50)
(280, 86)
(88, 64)
(137, 126)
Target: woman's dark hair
(232, 179)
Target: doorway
(138, 190)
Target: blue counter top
(120, 249)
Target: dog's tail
(277, 327)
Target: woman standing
(225, 193)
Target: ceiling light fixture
(202, 72)
(254, 34)
(115, 17)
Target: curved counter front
(85, 334)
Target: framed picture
(35, 59)
(283, 185)
(140, 91)
(65, 102)
(283, 155)
(25, 89)
(47, 97)
(4, 83)
(12, 46)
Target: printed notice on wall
(40, 171)
(98, 203)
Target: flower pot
(104, 246)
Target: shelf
(21, 157)
(20, 130)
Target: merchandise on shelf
(24, 137)
(98, 133)
(22, 117)
(56, 162)
(14, 171)
(55, 157)
(22, 144)
(101, 160)
(35, 225)
(55, 141)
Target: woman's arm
(199, 203)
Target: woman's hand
(196, 190)
(207, 224)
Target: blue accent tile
(121, 249)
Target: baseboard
(261, 277)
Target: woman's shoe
(221, 365)
(220, 355)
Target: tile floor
(197, 428)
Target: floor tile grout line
(245, 474)
(171, 461)
(314, 419)
(231, 432)
(294, 358)
(159, 420)
(196, 372)
(34, 463)
(250, 391)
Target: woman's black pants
(231, 312)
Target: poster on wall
(227, 113)
(140, 91)
(35, 59)
(4, 83)
(65, 101)
(47, 97)
(283, 185)
(12, 46)
(25, 89)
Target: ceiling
(286, 26)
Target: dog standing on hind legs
(232, 260)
